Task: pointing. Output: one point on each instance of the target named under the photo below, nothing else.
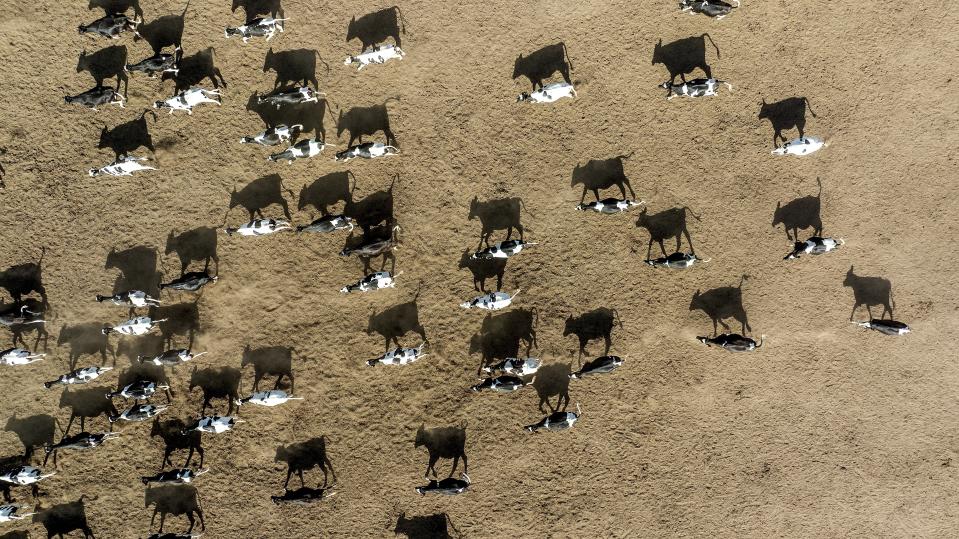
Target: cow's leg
(289, 474)
(519, 228)
(200, 451)
(163, 518)
(278, 380)
(596, 194)
(431, 465)
(661, 246)
(256, 381)
(302, 481)
(609, 343)
(688, 240)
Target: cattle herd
(505, 374)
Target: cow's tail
(819, 181)
(523, 205)
(809, 106)
(625, 156)
(566, 53)
(185, 8)
(617, 318)
(402, 19)
(686, 209)
(743, 280)
(388, 99)
(351, 175)
(326, 65)
(706, 35)
(332, 114)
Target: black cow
(111, 26)
(443, 442)
(541, 65)
(373, 28)
(106, 63)
(786, 114)
(800, 214)
(269, 361)
(498, 214)
(366, 121)
(683, 56)
(599, 174)
(722, 303)
(95, 97)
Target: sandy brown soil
(827, 431)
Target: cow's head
(764, 109)
(518, 66)
(340, 124)
(247, 356)
(269, 60)
(234, 198)
(474, 208)
(658, 53)
(704, 340)
(778, 217)
(570, 327)
(421, 438)
(643, 219)
(850, 277)
(229, 32)
(195, 378)
(171, 243)
(696, 302)
(352, 31)
(82, 61)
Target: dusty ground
(828, 430)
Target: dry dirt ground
(828, 430)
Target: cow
(398, 356)
(139, 390)
(814, 246)
(328, 223)
(140, 325)
(553, 91)
(733, 342)
(677, 260)
(722, 303)
(23, 475)
(174, 536)
(302, 456)
(259, 194)
(215, 424)
(78, 376)
(174, 500)
(176, 476)
(160, 63)
(443, 442)
(886, 327)
(259, 27)
(8, 513)
(373, 281)
(447, 487)
(492, 301)
(396, 322)
(222, 383)
(595, 324)
(501, 384)
(664, 225)
(139, 412)
(80, 441)
(87, 403)
(603, 364)
(106, 63)
(97, 96)
(499, 214)
(870, 291)
(367, 150)
(124, 166)
(19, 356)
(269, 361)
(693, 88)
(190, 282)
(609, 206)
(65, 518)
(541, 65)
(129, 298)
(557, 421)
(128, 136)
(198, 244)
(293, 66)
(800, 146)
(272, 136)
(599, 174)
(174, 438)
(301, 496)
(192, 70)
(379, 55)
(786, 114)
(515, 366)
(303, 149)
(259, 227)
(483, 269)
(271, 398)
(188, 99)
(374, 28)
(290, 96)
(502, 249)
(111, 26)
(170, 358)
(710, 8)
(800, 214)
(683, 56)
(328, 190)
(20, 317)
(366, 121)
(373, 246)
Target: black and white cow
(21, 317)
(124, 166)
(676, 260)
(170, 358)
(130, 298)
(81, 441)
(553, 91)
(303, 149)
(273, 135)
(887, 327)
(97, 96)
(176, 476)
(291, 96)
(398, 356)
(710, 8)
(159, 63)
(258, 27)
(190, 282)
(366, 150)
(599, 365)
(139, 390)
(23, 475)
(78, 376)
(140, 325)
(271, 398)
(557, 421)
(373, 281)
(329, 223)
(732, 342)
(814, 246)
(174, 535)
(515, 366)
(301, 496)
(214, 424)
(801, 146)
(19, 356)
(502, 384)
(610, 205)
(493, 301)
(259, 227)
(503, 249)
(448, 486)
(693, 88)
(139, 412)
(8, 513)
(371, 248)
(110, 26)
(188, 99)
(379, 55)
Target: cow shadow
(495, 215)
(303, 456)
(445, 443)
(86, 339)
(18, 331)
(666, 225)
(374, 210)
(800, 214)
(16, 534)
(553, 381)
(33, 431)
(23, 279)
(3, 171)
(599, 174)
(593, 325)
(259, 194)
(293, 66)
(683, 56)
(397, 321)
(106, 63)
(195, 245)
(65, 518)
(145, 371)
(86, 403)
(366, 122)
(269, 361)
(176, 500)
(870, 292)
(255, 8)
(128, 136)
(540, 65)
(165, 31)
(217, 383)
(310, 115)
(503, 335)
(181, 320)
(722, 303)
(110, 7)
(437, 526)
(378, 233)
(483, 269)
(786, 114)
(373, 28)
(194, 69)
(327, 190)
(148, 346)
(175, 437)
(138, 269)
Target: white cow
(140, 325)
(399, 356)
(170, 358)
(800, 146)
(274, 397)
(493, 301)
(124, 166)
(19, 356)
(549, 93)
(188, 99)
(379, 55)
(260, 227)
(609, 205)
(139, 412)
